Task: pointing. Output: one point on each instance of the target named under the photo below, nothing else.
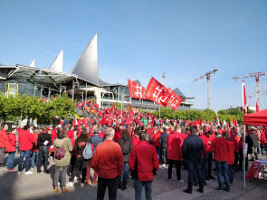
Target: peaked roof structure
(87, 65)
(32, 63)
(137, 81)
(177, 91)
(57, 64)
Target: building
(82, 83)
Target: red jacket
(231, 154)
(174, 145)
(205, 142)
(220, 148)
(155, 138)
(206, 139)
(35, 136)
(12, 143)
(135, 140)
(70, 134)
(109, 122)
(117, 135)
(74, 122)
(108, 160)
(103, 121)
(147, 160)
(235, 140)
(3, 138)
(26, 140)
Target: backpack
(60, 153)
(87, 151)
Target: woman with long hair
(80, 161)
(62, 141)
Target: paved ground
(39, 187)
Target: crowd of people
(116, 146)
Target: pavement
(14, 186)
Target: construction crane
(257, 78)
(208, 83)
(255, 94)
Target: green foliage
(118, 106)
(19, 107)
(207, 114)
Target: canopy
(257, 118)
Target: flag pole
(244, 101)
(244, 158)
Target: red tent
(257, 118)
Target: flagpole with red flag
(257, 107)
(244, 102)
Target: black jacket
(163, 140)
(252, 140)
(42, 138)
(192, 148)
(80, 144)
(126, 147)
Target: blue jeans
(260, 150)
(159, 151)
(230, 173)
(10, 160)
(194, 172)
(204, 168)
(27, 155)
(138, 189)
(34, 156)
(125, 175)
(103, 127)
(221, 168)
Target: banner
(257, 107)
(130, 110)
(244, 98)
(254, 170)
(157, 92)
(175, 100)
(113, 107)
(136, 90)
(200, 121)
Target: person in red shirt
(235, 140)
(109, 122)
(11, 149)
(175, 156)
(220, 148)
(3, 143)
(143, 164)
(108, 163)
(231, 157)
(35, 149)
(26, 141)
(70, 134)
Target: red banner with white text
(157, 92)
(174, 100)
(136, 90)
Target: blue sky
(140, 39)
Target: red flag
(244, 98)
(235, 123)
(157, 92)
(130, 110)
(200, 121)
(257, 107)
(113, 107)
(175, 100)
(136, 90)
(217, 122)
